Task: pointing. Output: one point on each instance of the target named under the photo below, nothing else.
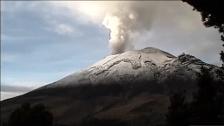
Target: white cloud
(12, 81)
(86, 11)
(9, 91)
(7, 95)
(64, 29)
(175, 24)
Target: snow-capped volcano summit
(135, 66)
(131, 87)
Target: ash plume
(124, 20)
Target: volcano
(132, 87)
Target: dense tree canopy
(212, 15)
(206, 106)
(208, 102)
(31, 116)
(178, 111)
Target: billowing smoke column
(125, 20)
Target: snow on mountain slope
(136, 66)
(130, 87)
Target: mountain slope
(131, 66)
(131, 87)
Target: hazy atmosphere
(41, 42)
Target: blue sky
(41, 42)
(34, 53)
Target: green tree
(207, 104)
(31, 116)
(205, 108)
(178, 111)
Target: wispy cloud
(11, 88)
(9, 91)
(64, 29)
(7, 95)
